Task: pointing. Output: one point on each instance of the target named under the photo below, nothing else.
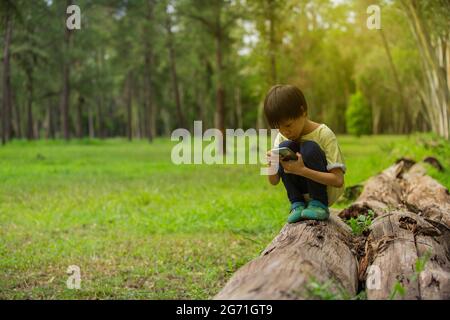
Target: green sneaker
(316, 210)
(296, 212)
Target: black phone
(285, 153)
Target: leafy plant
(397, 289)
(330, 290)
(361, 223)
(323, 291)
(420, 265)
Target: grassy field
(140, 227)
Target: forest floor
(140, 227)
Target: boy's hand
(294, 166)
(271, 158)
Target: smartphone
(285, 153)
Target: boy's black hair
(284, 102)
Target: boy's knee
(310, 150)
(293, 145)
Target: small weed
(361, 223)
(330, 290)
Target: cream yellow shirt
(327, 141)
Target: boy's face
(292, 128)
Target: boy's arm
(274, 179)
(334, 178)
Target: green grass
(140, 227)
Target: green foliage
(420, 265)
(358, 115)
(262, 42)
(361, 223)
(397, 289)
(323, 291)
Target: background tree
(358, 115)
(140, 69)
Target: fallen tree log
(407, 246)
(301, 253)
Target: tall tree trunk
(270, 14)
(30, 123)
(65, 95)
(436, 95)
(141, 111)
(17, 115)
(99, 118)
(51, 122)
(6, 108)
(173, 71)
(64, 105)
(128, 85)
(99, 121)
(148, 69)
(237, 97)
(219, 118)
(80, 117)
(402, 122)
(272, 43)
(91, 123)
(199, 98)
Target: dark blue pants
(315, 159)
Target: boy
(318, 173)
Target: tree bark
(380, 193)
(91, 123)
(270, 15)
(148, 67)
(65, 95)
(99, 118)
(219, 117)
(237, 97)
(436, 97)
(173, 71)
(17, 115)
(128, 97)
(50, 134)
(30, 123)
(403, 122)
(272, 42)
(396, 241)
(426, 196)
(6, 108)
(80, 117)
